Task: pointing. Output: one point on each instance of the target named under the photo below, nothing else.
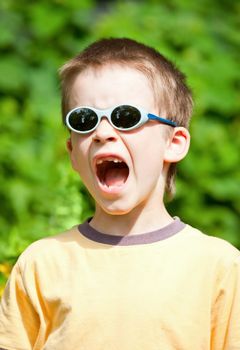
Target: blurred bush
(39, 193)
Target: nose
(104, 132)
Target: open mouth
(112, 172)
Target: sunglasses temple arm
(163, 120)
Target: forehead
(112, 84)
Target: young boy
(131, 277)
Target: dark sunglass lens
(125, 117)
(83, 119)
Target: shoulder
(210, 241)
(211, 248)
(47, 249)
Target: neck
(142, 219)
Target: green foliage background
(39, 193)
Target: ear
(69, 145)
(70, 152)
(177, 145)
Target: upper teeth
(109, 159)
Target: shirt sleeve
(19, 321)
(226, 312)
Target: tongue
(116, 176)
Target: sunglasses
(84, 119)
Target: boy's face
(122, 170)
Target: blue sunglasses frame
(107, 113)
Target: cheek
(147, 148)
(79, 154)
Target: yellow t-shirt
(172, 289)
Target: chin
(116, 208)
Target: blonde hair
(171, 92)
